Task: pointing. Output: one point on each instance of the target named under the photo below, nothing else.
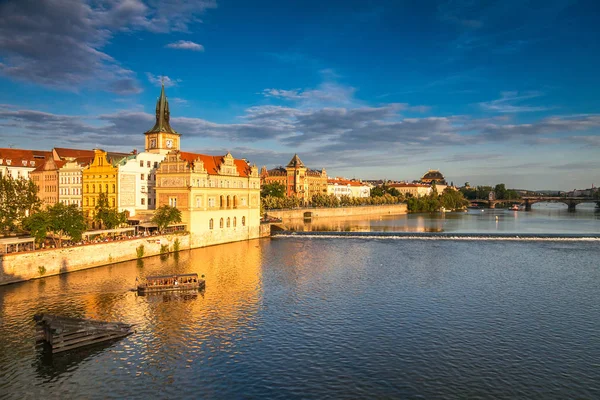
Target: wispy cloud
(509, 102)
(185, 45)
(59, 43)
(157, 80)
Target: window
(234, 222)
(93, 188)
(141, 163)
(148, 164)
(243, 221)
(143, 201)
(211, 224)
(87, 189)
(155, 164)
(106, 187)
(198, 201)
(142, 176)
(173, 201)
(228, 222)
(221, 223)
(113, 188)
(211, 201)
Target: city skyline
(487, 93)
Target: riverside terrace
(26, 244)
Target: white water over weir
(441, 236)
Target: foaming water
(441, 236)
(359, 316)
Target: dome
(434, 175)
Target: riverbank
(308, 212)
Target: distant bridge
(571, 202)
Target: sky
(486, 92)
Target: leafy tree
(18, 198)
(60, 219)
(452, 199)
(274, 189)
(377, 191)
(108, 216)
(166, 215)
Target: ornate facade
(298, 180)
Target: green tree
(18, 198)
(108, 216)
(166, 215)
(61, 220)
(274, 189)
(377, 191)
(38, 225)
(452, 199)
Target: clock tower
(162, 138)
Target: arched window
(234, 221)
(106, 187)
(228, 201)
(243, 221)
(93, 188)
(234, 201)
(221, 223)
(228, 222)
(222, 202)
(211, 224)
(87, 201)
(113, 188)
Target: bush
(164, 248)
(139, 251)
(176, 245)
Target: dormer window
(8, 162)
(32, 163)
(24, 163)
(1, 160)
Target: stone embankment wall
(37, 264)
(338, 211)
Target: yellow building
(100, 176)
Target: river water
(335, 317)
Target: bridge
(571, 202)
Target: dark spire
(162, 114)
(296, 162)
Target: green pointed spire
(162, 114)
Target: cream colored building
(218, 196)
(345, 187)
(412, 189)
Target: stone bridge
(571, 202)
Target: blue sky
(485, 91)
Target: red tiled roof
(344, 182)
(73, 153)
(212, 163)
(17, 156)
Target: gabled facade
(45, 178)
(299, 181)
(100, 176)
(219, 196)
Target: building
(18, 163)
(412, 189)
(136, 181)
(218, 196)
(345, 187)
(70, 178)
(45, 177)
(434, 176)
(298, 180)
(100, 176)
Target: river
(338, 317)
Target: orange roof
(212, 163)
(23, 158)
(73, 153)
(344, 182)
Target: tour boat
(170, 283)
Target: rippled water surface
(303, 317)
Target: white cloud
(185, 45)
(509, 103)
(157, 80)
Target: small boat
(170, 283)
(515, 207)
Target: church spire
(162, 114)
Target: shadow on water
(52, 366)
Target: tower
(162, 138)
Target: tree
(452, 199)
(274, 189)
(60, 219)
(109, 217)
(166, 215)
(18, 199)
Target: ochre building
(299, 181)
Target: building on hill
(45, 177)
(434, 176)
(345, 187)
(299, 181)
(18, 163)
